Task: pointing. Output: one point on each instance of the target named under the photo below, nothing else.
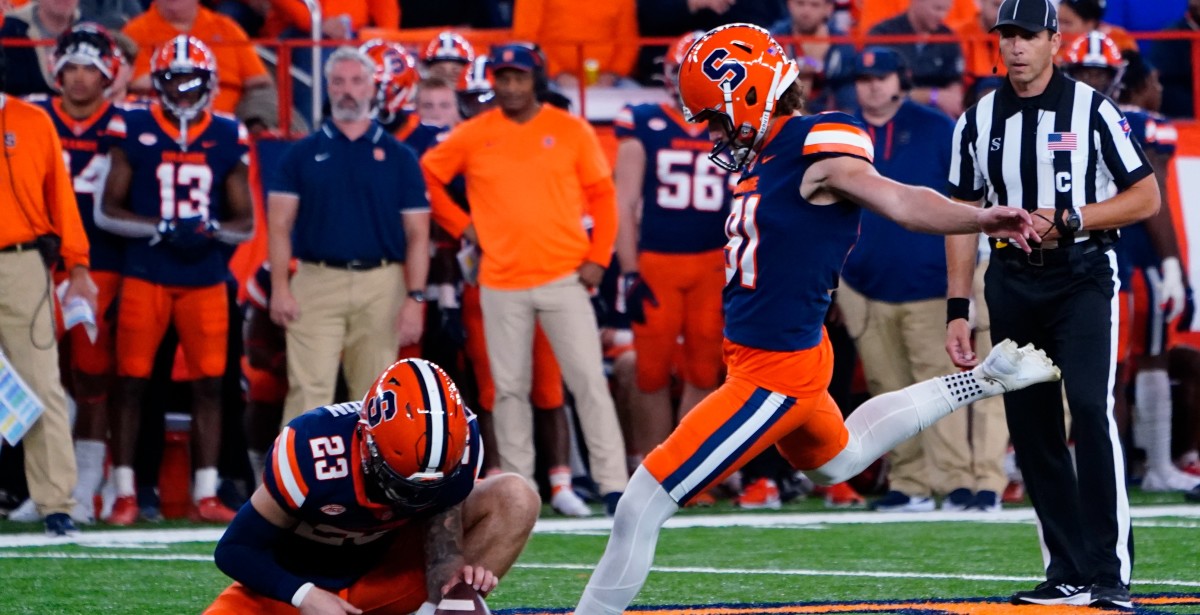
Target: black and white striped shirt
(1065, 148)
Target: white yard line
(797, 572)
(113, 538)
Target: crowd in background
(352, 292)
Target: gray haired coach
(1062, 151)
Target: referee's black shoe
(1112, 597)
(1055, 592)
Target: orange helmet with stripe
(1094, 50)
(413, 433)
(733, 76)
(184, 73)
(449, 46)
(396, 77)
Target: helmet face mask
(387, 486)
(89, 45)
(475, 94)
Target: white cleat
(567, 504)
(1010, 368)
(1160, 479)
(27, 512)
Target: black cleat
(1111, 597)
(1055, 592)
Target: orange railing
(483, 39)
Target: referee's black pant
(1067, 306)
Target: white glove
(1171, 292)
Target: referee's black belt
(1058, 255)
(20, 247)
(353, 265)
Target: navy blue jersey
(784, 254)
(890, 263)
(1156, 135)
(685, 196)
(173, 182)
(314, 472)
(85, 148)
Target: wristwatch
(417, 295)
(1072, 221)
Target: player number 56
(689, 179)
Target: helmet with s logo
(413, 434)
(733, 76)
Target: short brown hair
(790, 101)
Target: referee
(1062, 151)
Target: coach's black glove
(632, 295)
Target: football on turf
(462, 599)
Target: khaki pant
(901, 344)
(989, 428)
(565, 313)
(25, 313)
(346, 317)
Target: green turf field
(805, 554)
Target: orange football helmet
(413, 433)
(184, 73)
(733, 75)
(475, 92)
(674, 58)
(449, 46)
(396, 77)
(88, 44)
(1094, 50)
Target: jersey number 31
(741, 249)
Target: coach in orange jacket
(532, 173)
(37, 201)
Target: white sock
(560, 479)
(204, 485)
(89, 463)
(258, 465)
(623, 569)
(123, 477)
(886, 420)
(1152, 416)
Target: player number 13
(742, 231)
(196, 178)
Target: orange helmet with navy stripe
(1094, 50)
(184, 73)
(413, 433)
(733, 76)
(396, 77)
(449, 46)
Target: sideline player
(1148, 248)
(178, 188)
(795, 215)
(373, 506)
(86, 64)
(671, 258)
(264, 368)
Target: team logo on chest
(333, 509)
